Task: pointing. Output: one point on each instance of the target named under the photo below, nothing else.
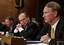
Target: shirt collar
(55, 24)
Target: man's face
(49, 15)
(24, 21)
(7, 22)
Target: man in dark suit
(10, 24)
(52, 16)
(2, 29)
(26, 28)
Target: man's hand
(45, 38)
(18, 28)
(18, 25)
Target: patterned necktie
(52, 33)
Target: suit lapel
(58, 29)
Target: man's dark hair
(10, 18)
(54, 6)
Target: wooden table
(13, 40)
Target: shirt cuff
(49, 40)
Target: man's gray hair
(54, 6)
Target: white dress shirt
(18, 29)
(55, 24)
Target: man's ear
(55, 12)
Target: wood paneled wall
(7, 8)
(30, 7)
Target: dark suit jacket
(11, 28)
(30, 31)
(2, 27)
(59, 33)
(43, 31)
